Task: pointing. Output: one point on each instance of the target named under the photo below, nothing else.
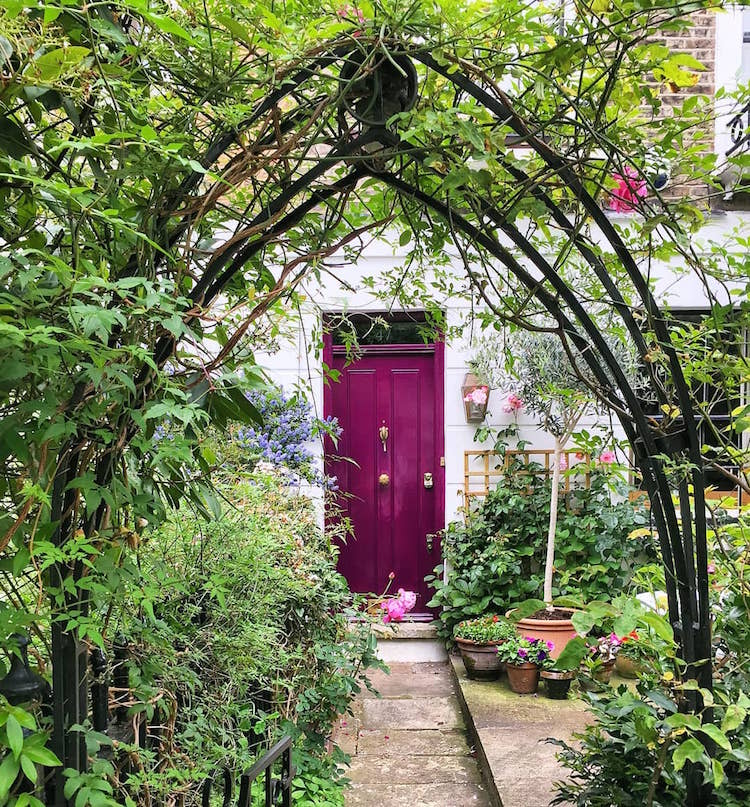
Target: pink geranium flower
(512, 404)
(607, 457)
(630, 189)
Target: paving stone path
(409, 746)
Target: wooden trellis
(484, 469)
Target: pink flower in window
(629, 190)
(563, 462)
(607, 457)
(352, 13)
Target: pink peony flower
(607, 457)
(394, 611)
(512, 404)
(407, 598)
(629, 190)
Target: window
(716, 402)
(381, 329)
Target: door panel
(402, 391)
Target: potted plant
(557, 678)
(550, 380)
(632, 657)
(599, 664)
(523, 657)
(478, 640)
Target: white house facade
(406, 500)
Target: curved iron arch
(687, 579)
(686, 575)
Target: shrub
(495, 557)
(241, 631)
(283, 439)
(643, 744)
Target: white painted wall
(295, 363)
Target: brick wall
(698, 39)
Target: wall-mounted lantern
(475, 395)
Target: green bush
(241, 630)
(642, 743)
(496, 557)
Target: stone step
(409, 642)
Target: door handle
(430, 538)
(428, 481)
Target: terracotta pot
(557, 684)
(626, 667)
(557, 631)
(481, 660)
(523, 678)
(601, 675)
(604, 673)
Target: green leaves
(25, 751)
(8, 772)
(14, 735)
(691, 749)
(49, 66)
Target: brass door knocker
(383, 432)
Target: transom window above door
(380, 328)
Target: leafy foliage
(494, 555)
(240, 633)
(485, 629)
(644, 743)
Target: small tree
(549, 378)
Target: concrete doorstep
(509, 733)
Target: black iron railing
(739, 129)
(277, 790)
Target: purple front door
(389, 404)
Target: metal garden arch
(377, 80)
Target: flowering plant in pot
(478, 640)
(549, 378)
(523, 657)
(599, 663)
(633, 656)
